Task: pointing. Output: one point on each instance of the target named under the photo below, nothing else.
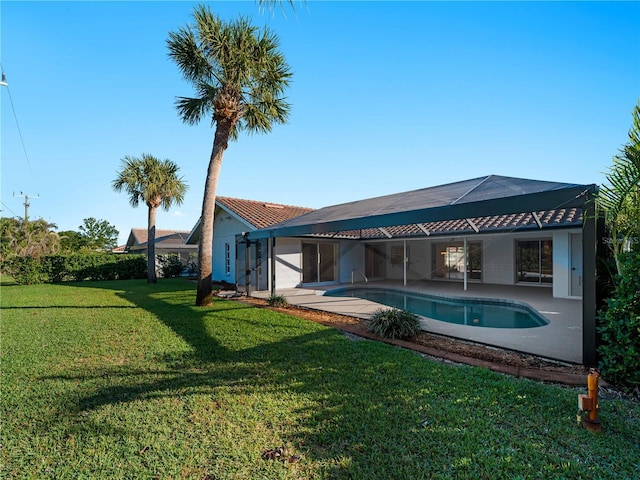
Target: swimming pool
(471, 312)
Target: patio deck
(560, 340)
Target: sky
(386, 97)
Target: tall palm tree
(156, 183)
(239, 77)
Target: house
(234, 217)
(490, 230)
(167, 241)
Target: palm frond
(245, 74)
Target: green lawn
(124, 380)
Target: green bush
(75, 267)
(25, 270)
(277, 301)
(394, 323)
(170, 265)
(619, 326)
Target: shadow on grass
(352, 409)
(260, 352)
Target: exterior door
(373, 261)
(576, 265)
(318, 262)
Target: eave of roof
(476, 198)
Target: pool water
(475, 313)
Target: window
(227, 259)
(534, 261)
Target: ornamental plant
(394, 323)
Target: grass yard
(125, 380)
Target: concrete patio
(560, 340)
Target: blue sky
(386, 97)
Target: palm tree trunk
(151, 246)
(205, 252)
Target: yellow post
(590, 420)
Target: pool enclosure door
(251, 265)
(319, 262)
(576, 265)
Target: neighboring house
(232, 218)
(494, 230)
(167, 241)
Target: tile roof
(261, 214)
(562, 217)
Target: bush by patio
(394, 323)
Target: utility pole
(26, 204)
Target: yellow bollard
(588, 404)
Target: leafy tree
(72, 241)
(619, 198)
(98, 234)
(156, 183)
(239, 77)
(27, 238)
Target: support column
(272, 253)
(589, 249)
(404, 262)
(247, 267)
(466, 259)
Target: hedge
(75, 267)
(619, 326)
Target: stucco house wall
(225, 227)
(498, 259)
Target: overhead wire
(15, 116)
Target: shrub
(170, 265)
(75, 267)
(277, 301)
(394, 323)
(25, 270)
(619, 326)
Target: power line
(4, 83)
(7, 207)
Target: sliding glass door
(319, 262)
(534, 260)
(449, 261)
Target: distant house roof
(253, 213)
(474, 204)
(119, 249)
(166, 239)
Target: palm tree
(156, 183)
(620, 197)
(28, 238)
(239, 77)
